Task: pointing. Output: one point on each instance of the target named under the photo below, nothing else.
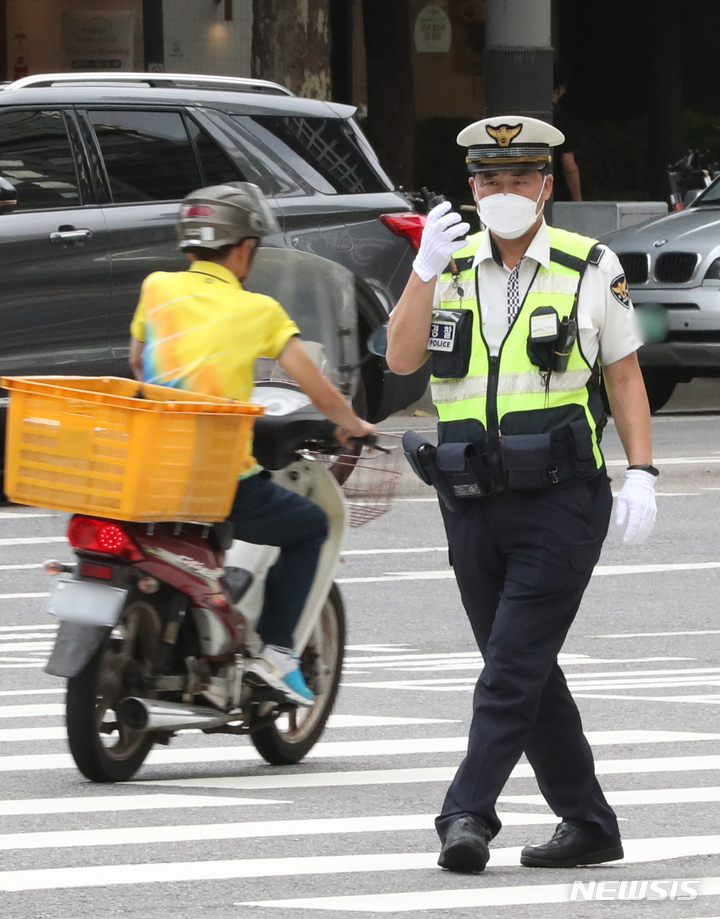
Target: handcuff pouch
(526, 460)
(450, 343)
(422, 456)
(464, 470)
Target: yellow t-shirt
(203, 332)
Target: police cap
(508, 141)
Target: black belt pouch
(422, 456)
(583, 457)
(526, 461)
(464, 469)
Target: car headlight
(713, 272)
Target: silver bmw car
(672, 266)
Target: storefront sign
(99, 40)
(433, 32)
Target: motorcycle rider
(199, 330)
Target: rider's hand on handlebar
(359, 428)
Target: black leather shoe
(466, 846)
(573, 844)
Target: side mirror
(377, 342)
(691, 196)
(8, 196)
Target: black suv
(98, 166)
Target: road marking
(379, 748)
(672, 461)
(600, 570)
(638, 850)
(30, 692)
(417, 901)
(24, 596)
(659, 634)
(124, 836)
(13, 735)
(18, 567)
(117, 803)
(4, 515)
(24, 666)
(475, 662)
(31, 711)
(30, 540)
(394, 551)
(27, 628)
(27, 646)
(636, 796)
(696, 700)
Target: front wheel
(103, 748)
(288, 739)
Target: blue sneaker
(292, 683)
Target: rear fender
(75, 646)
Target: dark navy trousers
(522, 563)
(267, 514)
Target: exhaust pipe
(150, 715)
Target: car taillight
(103, 536)
(407, 224)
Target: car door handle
(70, 236)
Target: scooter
(156, 620)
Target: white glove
(439, 241)
(636, 504)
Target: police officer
(529, 315)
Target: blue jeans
(269, 515)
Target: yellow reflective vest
(507, 393)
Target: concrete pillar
(153, 34)
(519, 58)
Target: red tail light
(103, 536)
(407, 224)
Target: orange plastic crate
(122, 449)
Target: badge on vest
(442, 336)
(451, 342)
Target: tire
(343, 466)
(116, 670)
(660, 388)
(288, 739)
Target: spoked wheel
(104, 749)
(288, 739)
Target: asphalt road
(207, 826)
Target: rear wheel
(288, 739)
(104, 749)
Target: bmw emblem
(659, 242)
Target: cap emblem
(504, 133)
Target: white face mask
(509, 216)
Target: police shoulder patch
(619, 290)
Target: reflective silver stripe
(455, 390)
(447, 292)
(555, 283)
(509, 384)
(515, 384)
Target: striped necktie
(513, 293)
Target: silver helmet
(224, 215)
